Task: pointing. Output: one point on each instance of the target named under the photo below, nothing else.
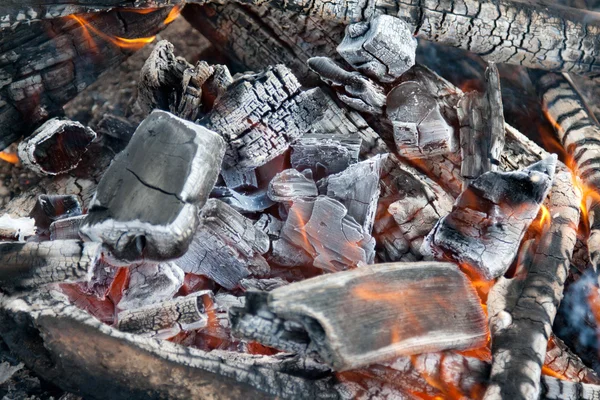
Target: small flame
(549, 372)
(124, 43)
(9, 157)
(142, 11)
(545, 218)
(173, 14)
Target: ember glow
(173, 14)
(9, 157)
(123, 43)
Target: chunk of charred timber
(191, 97)
(26, 265)
(50, 208)
(579, 134)
(270, 225)
(420, 129)
(245, 203)
(216, 85)
(403, 309)
(261, 114)
(290, 185)
(165, 320)
(116, 127)
(490, 217)
(147, 202)
(55, 147)
(325, 154)
(481, 119)
(226, 247)
(323, 229)
(357, 188)
(382, 48)
(559, 358)
(265, 285)
(161, 79)
(66, 228)
(150, 284)
(238, 178)
(353, 88)
(520, 330)
(559, 389)
(16, 228)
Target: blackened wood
(290, 184)
(55, 147)
(167, 319)
(323, 229)
(481, 119)
(226, 246)
(402, 310)
(48, 63)
(26, 265)
(191, 97)
(51, 208)
(560, 359)
(237, 178)
(150, 284)
(147, 202)
(579, 133)
(325, 154)
(521, 331)
(490, 217)
(382, 48)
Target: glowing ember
(173, 14)
(9, 157)
(124, 43)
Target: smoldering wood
(50, 62)
(270, 225)
(55, 147)
(324, 230)
(26, 265)
(368, 294)
(66, 228)
(490, 217)
(288, 254)
(561, 360)
(191, 97)
(147, 201)
(116, 127)
(357, 188)
(150, 284)
(481, 119)
(420, 129)
(579, 134)
(238, 178)
(325, 154)
(167, 319)
(245, 203)
(382, 48)
(290, 185)
(555, 389)
(520, 332)
(226, 246)
(216, 85)
(51, 208)
(355, 90)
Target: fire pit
(329, 200)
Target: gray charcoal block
(290, 184)
(325, 154)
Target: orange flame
(173, 14)
(545, 218)
(124, 43)
(142, 11)
(9, 157)
(555, 374)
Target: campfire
(327, 199)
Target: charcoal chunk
(50, 208)
(151, 284)
(290, 184)
(325, 154)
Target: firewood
(521, 328)
(490, 217)
(324, 230)
(579, 134)
(53, 60)
(290, 185)
(147, 201)
(325, 154)
(561, 360)
(382, 48)
(55, 147)
(357, 188)
(150, 284)
(226, 247)
(421, 322)
(167, 319)
(25, 265)
(558, 389)
(481, 119)
(191, 97)
(356, 91)
(51, 208)
(66, 228)
(245, 203)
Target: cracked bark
(521, 327)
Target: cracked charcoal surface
(66, 228)
(290, 184)
(323, 229)
(490, 217)
(151, 284)
(226, 246)
(315, 304)
(26, 265)
(325, 154)
(146, 203)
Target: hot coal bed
(337, 199)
